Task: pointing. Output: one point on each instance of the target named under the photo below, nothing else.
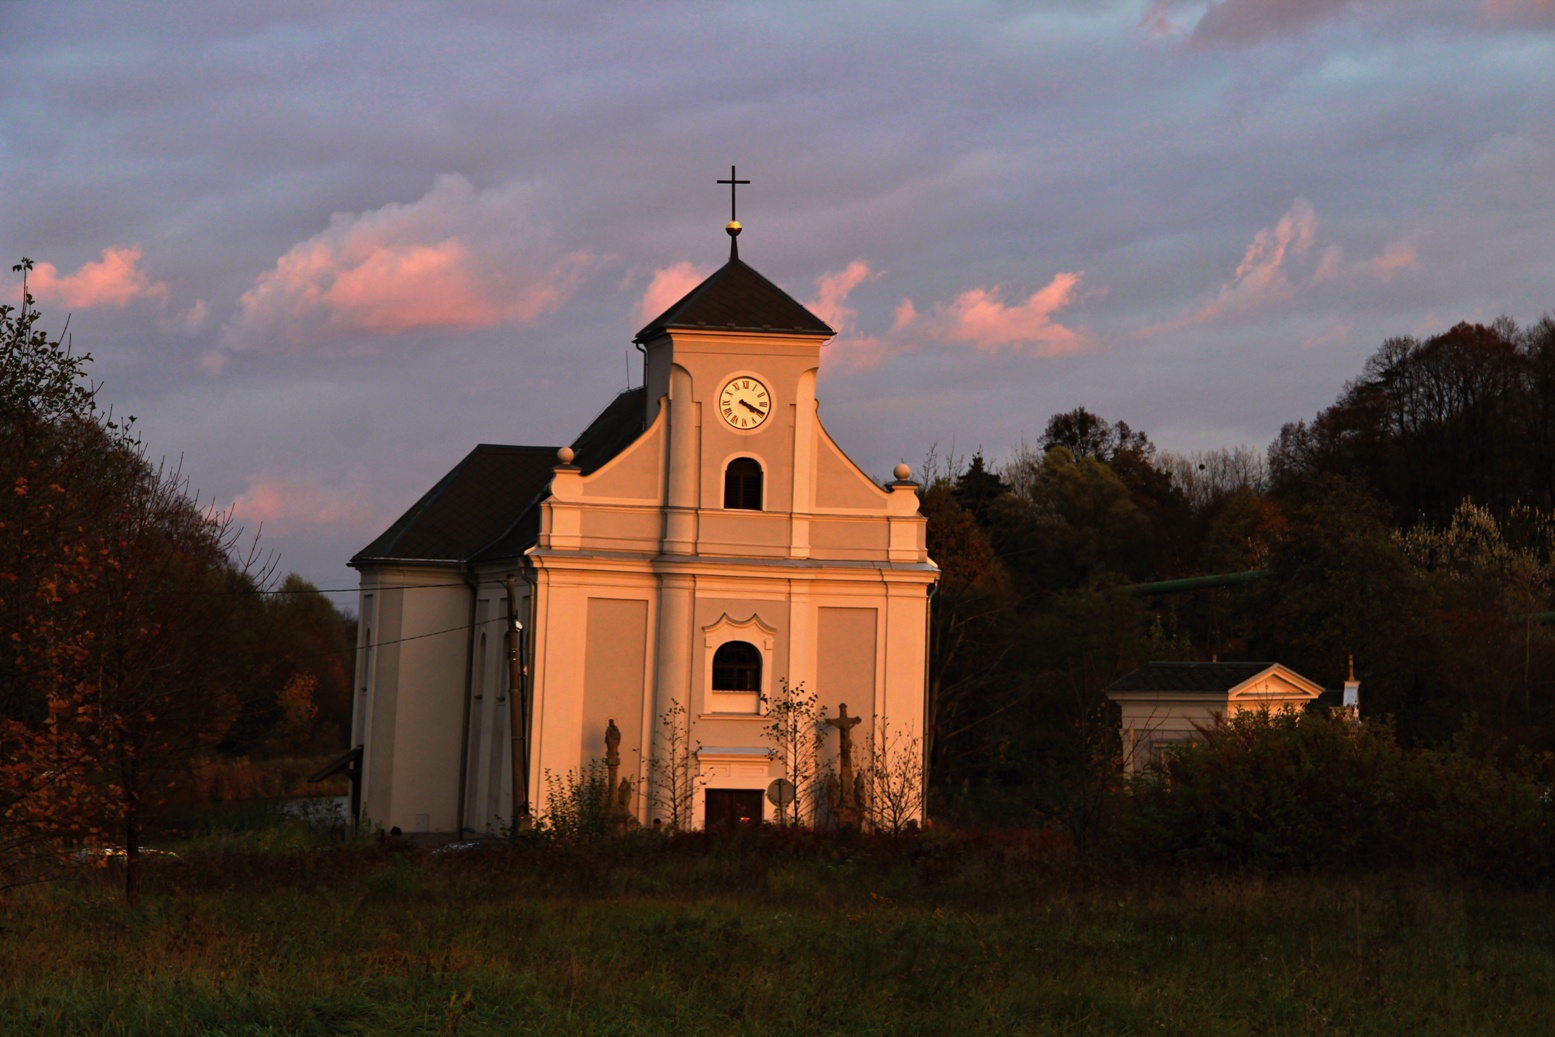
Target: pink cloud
(1260, 277)
(1520, 10)
(1157, 21)
(1329, 266)
(453, 260)
(858, 352)
(833, 290)
(1338, 334)
(115, 280)
(669, 286)
(851, 348)
(1398, 256)
(979, 316)
(1261, 269)
(189, 321)
(1247, 21)
(282, 502)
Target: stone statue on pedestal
(618, 790)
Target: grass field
(276, 934)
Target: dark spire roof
(737, 297)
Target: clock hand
(747, 405)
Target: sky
(321, 250)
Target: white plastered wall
(411, 715)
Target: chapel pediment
(1278, 682)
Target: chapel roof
(488, 505)
(616, 428)
(736, 297)
(469, 506)
(1189, 677)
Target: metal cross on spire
(733, 183)
(734, 224)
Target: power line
(434, 633)
(354, 590)
(329, 590)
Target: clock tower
(736, 361)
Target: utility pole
(518, 711)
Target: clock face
(744, 402)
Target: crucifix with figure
(734, 224)
(844, 789)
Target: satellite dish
(781, 792)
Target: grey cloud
(949, 146)
(1244, 21)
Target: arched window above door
(737, 667)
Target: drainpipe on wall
(517, 710)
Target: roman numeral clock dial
(744, 403)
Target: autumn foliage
(132, 637)
(1410, 525)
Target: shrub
(1287, 791)
(576, 804)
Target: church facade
(702, 543)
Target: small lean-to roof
(616, 428)
(473, 503)
(736, 297)
(1189, 678)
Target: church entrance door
(731, 809)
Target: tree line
(1410, 525)
(142, 636)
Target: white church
(701, 541)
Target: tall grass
(780, 933)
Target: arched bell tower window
(737, 667)
(742, 484)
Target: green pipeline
(1198, 583)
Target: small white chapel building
(700, 541)
(1162, 703)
